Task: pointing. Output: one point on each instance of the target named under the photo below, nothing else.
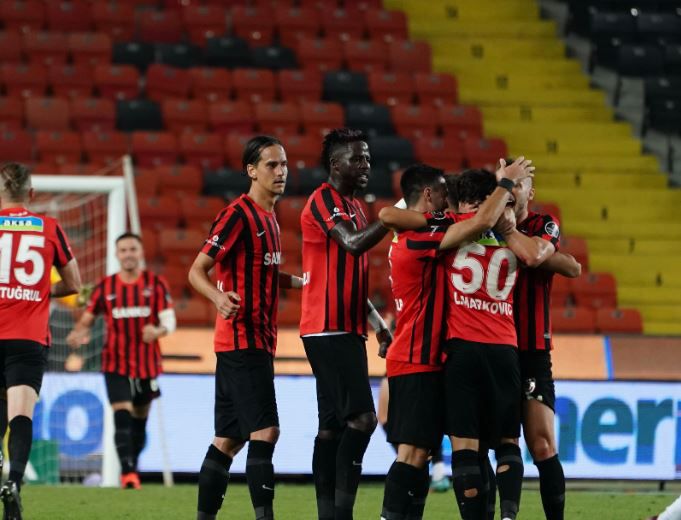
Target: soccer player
(137, 309)
(30, 244)
(333, 325)
(244, 247)
(413, 361)
(531, 305)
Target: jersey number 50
(26, 252)
(465, 259)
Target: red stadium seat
(159, 26)
(58, 147)
(561, 292)
(595, 290)
(77, 169)
(115, 19)
(288, 211)
(24, 80)
(47, 114)
(322, 54)
(204, 21)
(386, 25)
(199, 212)
(167, 82)
(104, 148)
(178, 180)
(179, 242)
(16, 145)
(25, 16)
(288, 313)
(10, 47)
(254, 85)
(192, 311)
(11, 113)
(435, 88)
(389, 88)
(409, 56)
(93, 114)
(573, 320)
(90, 48)
(154, 148)
(231, 116)
(254, 24)
(578, 248)
(159, 212)
(69, 16)
(146, 182)
(46, 47)
(320, 118)
(72, 81)
(484, 152)
(294, 23)
(415, 121)
(211, 84)
(299, 85)
(150, 244)
(342, 24)
(445, 153)
(460, 121)
(117, 81)
(202, 150)
(619, 321)
(366, 55)
(277, 118)
(234, 146)
(302, 151)
(185, 115)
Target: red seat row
(607, 320)
(81, 48)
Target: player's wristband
(507, 184)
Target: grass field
(296, 502)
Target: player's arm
(70, 282)
(289, 281)
(563, 264)
(167, 323)
(383, 334)
(80, 334)
(357, 241)
(226, 303)
(398, 219)
(532, 251)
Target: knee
(329, 435)
(365, 422)
(228, 446)
(412, 455)
(270, 435)
(542, 448)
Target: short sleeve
(63, 253)
(328, 209)
(163, 297)
(224, 233)
(549, 230)
(96, 303)
(425, 242)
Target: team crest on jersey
(28, 223)
(552, 229)
(214, 241)
(147, 292)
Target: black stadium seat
(390, 152)
(345, 87)
(181, 55)
(138, 114)
(225, 183)
(371, 119)
(273, 57)
(228, 51)
(139, 54)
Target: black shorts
(415, 409)
(537, 377)
(339, 364)
(482, 389)
(244, 393)
(138, 391)
(23, 362)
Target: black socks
(468, 485)
(213, 480)
(260, 476)
(353, 444)
(552, 487)
(123, 440)
(324, 473)
(509, 478)
(20, 440)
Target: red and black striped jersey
(127, 308)
(418, 281)
(532, 298)
(30, 244)
(245, 243)
(335, 283)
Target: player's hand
(519, 170)
(84, 294)
(385, 338)
(150, 333)
(227, 304)
(76, 339)
(73, 363)
(506, 223)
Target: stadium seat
(254, 85)
(672, 60)
(302, 151)
(71, 81)
(578, 248)
(288, 313)
(68, 16)
(299, 85)
(293, 23)
(234, 145)
(76, 169)
(16, 145)
(154, 148)
(117, 81)
(90, 48)
(185, 115)
(365, 55)
(200, 212)
(115, 19)
(204, 21)
(370, 118)
(561, 292)
(93, 114)
(460, 121)
(390, 153)
(484, 152)
(159, 212)
(202, 150)
(139, 54)
(278, 119)
(146, 185)
(159, 26)
(10, 47)
(138, 114)
(435, 88)
(309, 179)
(227, 51)
(24, 80)
(46, 48)
(415, 121)
(210, 84)
(192, 311)
(345, 87)
(380, 180)
(409, 56)
(596, 290)
(389, 88)
(445, 153)
(573, 320)
(288, 211)
(321, 54)
(105, 147)
(47, 114)
(25, 16)
(341, 24)
(11, 113)
(253, 24)
(150, 245)
(619, 321)
(231, 116)
(58, 147)
(386, 25)
(273, 57)
(320, 118)
(650, 27)
(175, 243)
(180, 55)
(640, 60)
(165, 82)
(664, 116)
(225, 183)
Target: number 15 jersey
(481, 276)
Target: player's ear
(251, 171)
(530, 195)
(31, 194)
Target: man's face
(271, 170)
(523, 193)
(436, 196)
(129, 253)
(353, 163)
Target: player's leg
(403, 481)
(144, 392)
(120, 391)
(3, 417)
(488, 478)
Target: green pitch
(296, 502)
